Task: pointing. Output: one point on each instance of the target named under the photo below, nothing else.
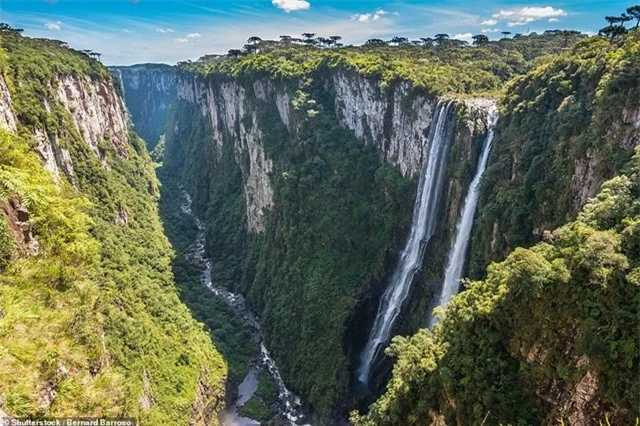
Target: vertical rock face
(98, 112)
(225, 106)
(7, 119)
(395, 119)
(149, 91)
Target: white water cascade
(422, 229)
(460, 243)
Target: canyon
(312, 218)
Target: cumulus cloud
(490, 30)
(489, 22)
(291, 5)
(468, 37)
(553, 20)
(164, 30)
(370, 17)
(526, 15)
(54, 26)
(189, 37)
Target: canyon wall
(81, 246)
(149, 91)
(255, 143)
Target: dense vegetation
(226, 328)
(338, 215)
(564, 128)
(327, 239)
(92, 324)
(550, 321)
(439, 69)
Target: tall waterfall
(422, 229)
(460, 244)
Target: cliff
(90, 320)
(547, 335)
(565, 129)
(149, 90)
(307, 187)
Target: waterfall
(460, 243)
(422, 229)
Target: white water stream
(422, 229)
(460, 243)
(290, 406)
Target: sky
(137, 31)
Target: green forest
(91, 324)
(305, 210)
(562, 313)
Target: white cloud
(164, 30)
(54, 26)
(489, 22)
(553, 20)
(527, 15)
(490, 30)
(291, 5)
(468, 37)
(373, 16)
(126, 31)
(189, 37)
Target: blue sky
(135, 31)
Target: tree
(612, 31)
(335, 39)
(254, 40)
(8, 28)
(624, 18)
(634, 13)
(613, 20)
(309, 40)
(426, 41)
(441, 39)
(399, 40)
(324, 42)
(505, 34)
(615, 27)
(234, 53)
(480, 40)
(308, 36)
(285, 39)
(375, 42)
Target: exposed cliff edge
(149, 91)
(251, 139)
(395, 120)
(92, 324)
(565, 129)
(548, 336)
